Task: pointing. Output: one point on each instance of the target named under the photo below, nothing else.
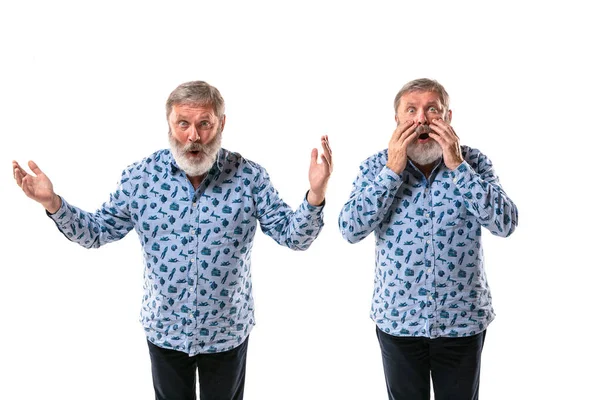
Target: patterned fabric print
(196, 244)
(429, 275)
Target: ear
(449, 116)
(396, 118)
(223, 122)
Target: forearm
(483, 197)
(369, 203)
(90, 230)
(294, 229)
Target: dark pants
(221, 375)
(453, 363)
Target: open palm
(37, 187)
(319, 173)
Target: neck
(426, 169)
(196, 180)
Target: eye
(433, 109)
(205, 124)
(410, 110)
(183, 124)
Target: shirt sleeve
(372, 195)
(484, 197)
(294, 229)
(91, 230)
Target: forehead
(193, 110)
(420, 98)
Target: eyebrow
(186, 116)
(431, 103)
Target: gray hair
(197, 93)
(423, 85)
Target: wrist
(315, 199)
(396, 170)
(53, 205)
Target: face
(195, 137)
(422, 107)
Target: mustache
(194, 146)
(424, 128)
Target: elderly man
(426, 198)
(195, 208)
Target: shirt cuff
(63, 215)
(310, 207)
(462, 174)
(388, 178)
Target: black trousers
(221, 375)
(453, 363)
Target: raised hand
(38, 187)
(319, 173)
(444, 134)
(404, 135)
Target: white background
(82, 92)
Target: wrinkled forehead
(193, 110)
(418, 97)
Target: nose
(197, 135)
(421, 118)
(193, 134)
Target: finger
(327, 151)
(325, 144)
(409, 137)
(17, 167)
(445, 128)
(26, 185)
(34, 168)
(325, 161)
(440, 133)
(403, 128)
(18, 176)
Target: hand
(404, 135)
(38, 187)
(442, 132)
(319, 173)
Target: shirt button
(194, 204)
(427, 215)
(429, 271)
(428, 242)
(191, 315)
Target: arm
(296, 230)
(479, 186)
(111, 222)
(483, 196)
(372, 195)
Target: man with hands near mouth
(195, 208)
(426, 198)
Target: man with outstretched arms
(195, 209)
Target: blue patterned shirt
(196, 244)
(429, 275)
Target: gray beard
(424, 154)
(194, 167)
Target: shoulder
(232, 161)
(374, 163)
(475, 158)
(156, 162)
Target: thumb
(313, 156)
(34, 168)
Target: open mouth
(424, 136)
